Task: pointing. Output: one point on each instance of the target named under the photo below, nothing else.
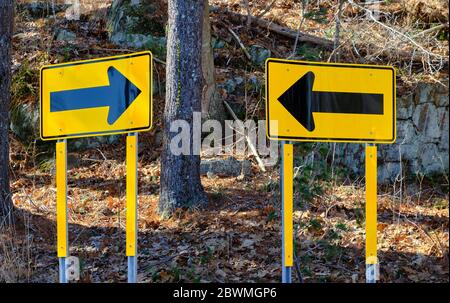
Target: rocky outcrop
(138, 25)
(422, 145)
(225, 167)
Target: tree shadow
(193, 249)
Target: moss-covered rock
(138, 25)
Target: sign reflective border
(96, 97)
(330, 102)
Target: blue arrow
(118, 95)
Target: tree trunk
(212, 106)
(180, 174)
(6, 26)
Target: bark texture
(212, 106)
(6, 25)
(180, 174)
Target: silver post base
(62, 270)
(132, 269)
(371, 271)
(286, 274)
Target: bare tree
(6, 27)
(180, 174)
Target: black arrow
(118, 96)
(301, 101)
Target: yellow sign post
(371, 214)
(131, 221)
(61, 207)
(92, 98)
(287, 162)
(330, 102)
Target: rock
(140, 41)
(439, 94)
(72, 161)
(217, 43)
(405, 132)
(259, 54)
(92, 142)
(229, 86)
(443, 123)
(442, 99)
(422, 93)
(390, 153)
(422, 142)
(351, 155)
(405, 107)
(425, 118)
(410, 151)
(41, 9)
(388, 171)
(225, 167)
(25, 122)
(137, 24)
(432, 160)
(65, 35)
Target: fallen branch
(235, 36)
(281, 30)
(125, 50)
(247, 138)
(430, 30)
(302, 37)
(360, 49)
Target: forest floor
(237, 237)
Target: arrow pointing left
(301, 101)
(118, 95)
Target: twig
(370, 14)
(159, 61)
(338, 30)
(304, 5)
(104, 158)
(266, 9)
(430, 30)
(297, 266)
(247, 138)
(235, 36)
(249, 13)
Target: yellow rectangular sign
(330, 102)
(96, 97)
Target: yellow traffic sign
(96, 97)
(331, 102)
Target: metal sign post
(287, 203)
(323, 102)
(61, 207)
(371, 214)
(131, 223)
(96, 97)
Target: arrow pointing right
(118, 96)
(301, 101)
